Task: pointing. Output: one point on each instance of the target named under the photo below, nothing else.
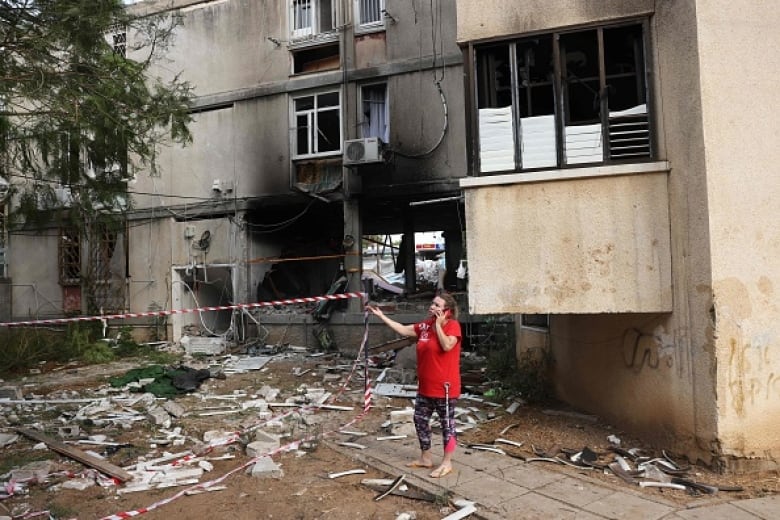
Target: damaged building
(315, 123)
(602, 168)
(621, 155)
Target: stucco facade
(685, 355)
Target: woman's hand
(375, 310)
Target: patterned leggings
(423, 411)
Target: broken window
(315, 59)
(369, 13)
(70, 256)
(374, 112)
(563, 99)
(312, 17)
(317, 125)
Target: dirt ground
(304, 491)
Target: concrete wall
(502, 18)
(570, 246)
(738, 59)
(222, 45)
(35, 289)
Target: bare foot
(419, 464)
(441, 471)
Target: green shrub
(24, 348)
(97, 352)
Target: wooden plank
(78, 455)
(395, 344)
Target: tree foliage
(82, 105)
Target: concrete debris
(467, 508)
(174, 408)
(507, 441)
(78, 483)
(10, 393)
(352, 445)
(405, 429)
(266, 417)
(353, 433)
(348, 472)
(7, 439)
(512, 408)
(159, 417)
(238, 365)
(264, 443)
(265, 467)
(33, 472)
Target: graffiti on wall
(648, 350)
(750, 375)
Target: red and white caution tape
(105, 317)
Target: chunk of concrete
(159, 417)
(11, 392)
(7, 438)
(264, 443)
(265, 467)
(78, 483)
(403, 429)
(174, 408)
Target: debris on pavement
(133, 418)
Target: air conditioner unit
(363, 151)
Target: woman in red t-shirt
(438, 376)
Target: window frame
(312, 115)
(313, 29)
(363, 123)
(69, 256)
(371, 25)
(559, 92)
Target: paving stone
(623, 505)
(719, 512)
(488, 490)
(466, 473)
(533, 506)
(574, 491)
(527, 476)
(766, 507)
(485, 460)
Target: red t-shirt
(435, 366)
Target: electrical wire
(436, 80)
(200, 313)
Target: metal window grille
(370, 11)
(118, 39)
(70, 256)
